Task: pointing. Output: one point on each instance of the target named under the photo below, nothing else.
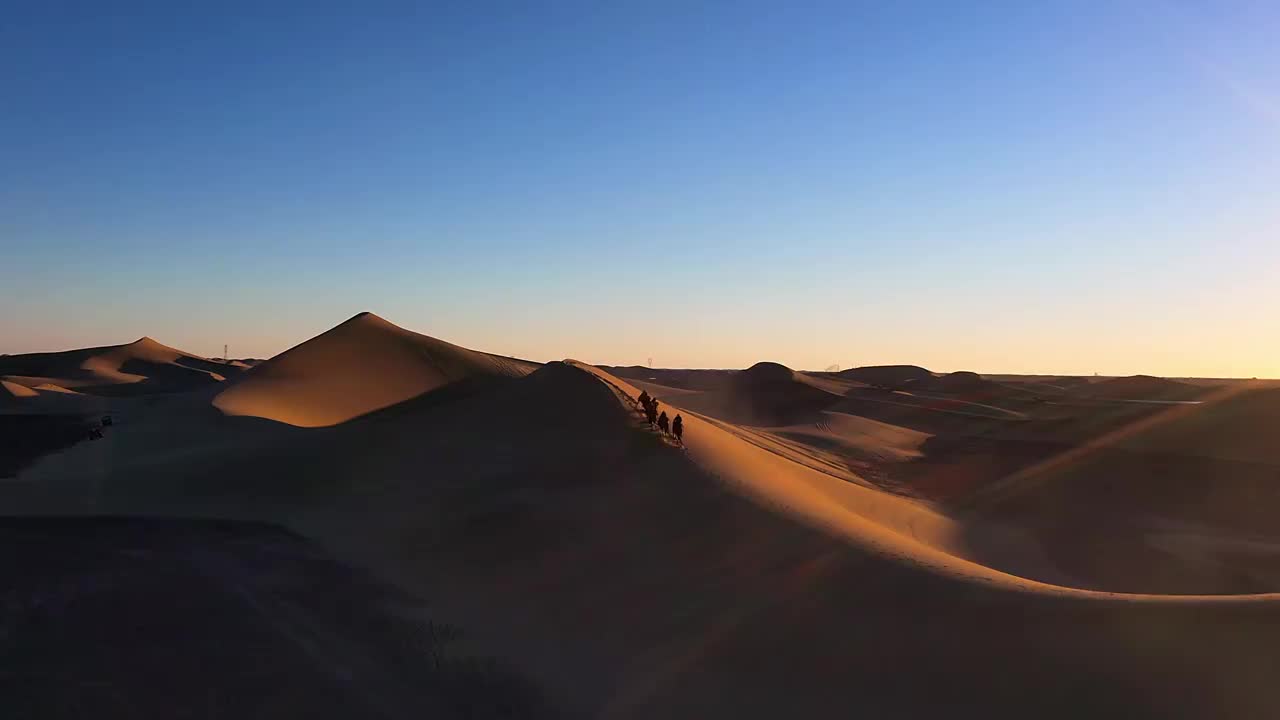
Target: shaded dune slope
(364, 364)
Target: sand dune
(12, 390)
(362, 365)
(959, 381)
(44, 399)
(1211, 465)
(1196, 465)
(874, 519)
(1144, 387)
(776, 468)
(886, 375)
(758, 571)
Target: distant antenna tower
(650, 362)
(224, 353)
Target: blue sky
(1020, 187)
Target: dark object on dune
(649, 406)
(107, 421)
(651, 411)
(95, 433)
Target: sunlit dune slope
(12, 390)
(362, 365)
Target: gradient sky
(1057, 187)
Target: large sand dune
(362, 365)
(759, 571)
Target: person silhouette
(677, 429)
(662, 421)
(644, 399)
(651, 412)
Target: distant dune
(764, 374)
(362, 365)
(886, 375)
(43, 399)
(675, 378)
(961, 380)
(1145, 387)
(142, 366)
(767, 393)
(956, 382)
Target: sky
(1049, 187)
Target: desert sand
(883, 542)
